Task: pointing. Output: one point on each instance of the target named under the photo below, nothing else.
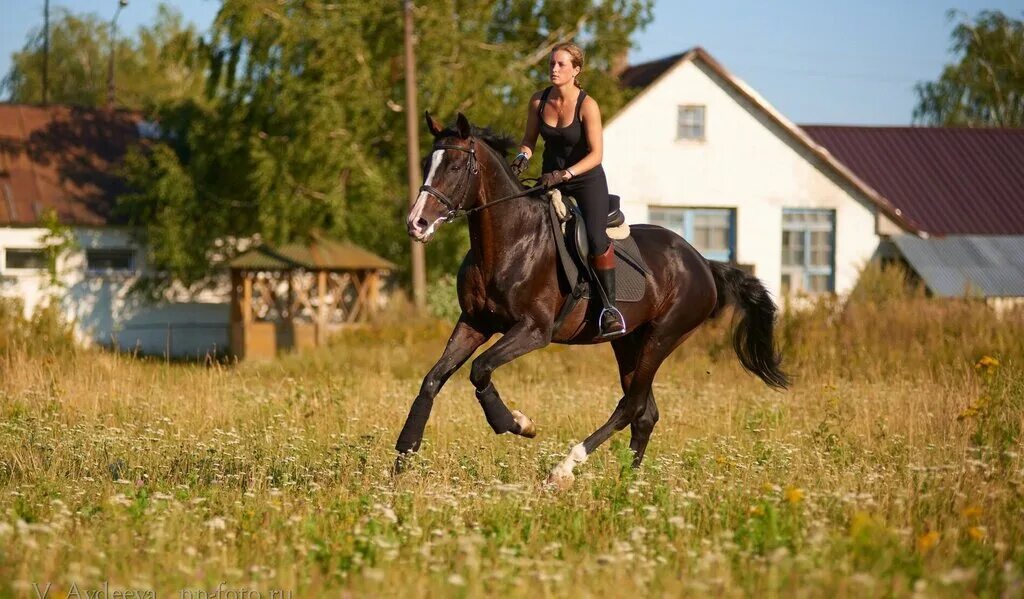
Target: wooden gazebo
(294, 296)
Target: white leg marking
(578, 455)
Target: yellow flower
(977, 533)
(755, 510)
(927, 541)
(794, 495)
(986, 363)
(971, 511)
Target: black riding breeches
(591, 192)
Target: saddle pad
(630, 269)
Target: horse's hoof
(560, 480)
(526, 427)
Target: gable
(673, 80)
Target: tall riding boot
(610, 321)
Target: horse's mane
(502, 143)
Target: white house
(64, 161)
(698, 151)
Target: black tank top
(563, 146)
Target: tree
(986, 88)
(161, 63)
(303, 129)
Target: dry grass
(891, 468)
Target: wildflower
(977, 533)
(927, 541)
(756, 510)
(456, 580)
(794, 495)
(986, 363)
(971, 511)
(217, 523)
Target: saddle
(631, 270)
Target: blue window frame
(808, 250)
(712, 231)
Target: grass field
(892, 467)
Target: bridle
(454, 210)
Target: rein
(456, 211)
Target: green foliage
(44, 333)
(57, 241)
(443, 298)
(986, 88)
(304, 127)
(161, 63)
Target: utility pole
(46, 52)
(111, 93)
(419, 270)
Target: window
(690, 123)
(106, 260)
(712, 231)
(808, 251)
(25, 259)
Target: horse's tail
(753, 338)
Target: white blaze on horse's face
(424, 216)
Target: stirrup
(600, 319)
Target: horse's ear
(462, 124)
(432, 125)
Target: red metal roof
(61, 158)
(948, 181)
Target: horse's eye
(456, 167)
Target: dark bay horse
(508, 284)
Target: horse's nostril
(421, 223)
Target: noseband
(455, 210)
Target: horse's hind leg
(640, 429)
(650, 350)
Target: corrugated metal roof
(958, 265)
(317, 254)
(62, 158)
(950, 181)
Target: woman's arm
(590, 114)
(532, 127)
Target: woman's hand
(549, 180)
(519, 163)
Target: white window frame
(799, 275)
(106, 271)
(688, 126)
(15, 270)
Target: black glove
(519, 164)
(549, 180)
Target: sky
(818, 62)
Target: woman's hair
(575, 52)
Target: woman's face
(562, 70)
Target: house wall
(746, 162)
(101, 307)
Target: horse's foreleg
(520, 340)
(465, 340)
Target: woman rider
(570, 122)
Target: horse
(508, 284)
